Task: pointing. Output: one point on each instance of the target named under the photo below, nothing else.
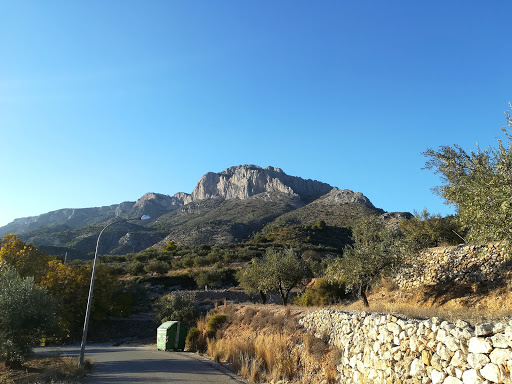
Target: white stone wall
(386, 349)
(466, 264)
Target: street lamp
(91, 287)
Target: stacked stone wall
(386, 349)
(463, 264)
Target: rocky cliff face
(345, 196)
(156, 204)
(248, 180)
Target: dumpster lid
(167, 324)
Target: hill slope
(224, 207)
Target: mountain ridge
(224, 207)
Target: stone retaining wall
(466, 264)
(386, 349)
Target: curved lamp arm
(91, 287)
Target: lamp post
(91, 287)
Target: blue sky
(103, 101)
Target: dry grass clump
(267, 344)
(458, 302)
(45, 370)
(256, 356)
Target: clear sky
(103, 101)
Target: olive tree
(26, 314)
(376, 252)
(279, 271)
(478, 183)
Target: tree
(279, 271)
(26, 314)
(252, 280)
(176, 306)
(376, 251)
(157, 266)
(25, 258)
(426, 230)
(70, 286)
(479, 184)
(208, 278)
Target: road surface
(145, 364)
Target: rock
(499, 341)
(491, 372)
(479, 345)
(426, 356)
(443, 352)
(485, 329)
(478, 360)
(452, 380)
(458, 359)
(243, 181)
(417, 368)
(500, 356)
(471, 377)
(437, 376)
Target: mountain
(248, 180)
(224, 207)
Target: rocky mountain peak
(244, 181)
(345, 196)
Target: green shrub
(176, 306)
(135, 268)
(215, 322)
(194, 341)
(322, 293)
(157, 266)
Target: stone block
(484, 329)
(471, 376)
(492, 373)
(479, 345)
(478, 360)
(452, 380)
(437, 376)
(499, 341)
(500, 356)
(417, 368)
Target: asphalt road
(145, 364)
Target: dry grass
(267, 344)
(56, 370)
(448, 303)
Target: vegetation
(176, 306)
(479, 184)
(25, 258)
(322, 292)
(376, 252)
(40, 369)
(426, 230)
(266, 346)
(27, 314)
(279, 271)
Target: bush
(208, 278)
(135, 268)
(194, 340)
(157, 266)
(27, 313)
(176, 307)
(321, 293)
(215, 322)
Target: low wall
(462, 264)
(387, 349)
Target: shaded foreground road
(145, 364)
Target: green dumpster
(171, 335)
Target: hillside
(225, 207)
